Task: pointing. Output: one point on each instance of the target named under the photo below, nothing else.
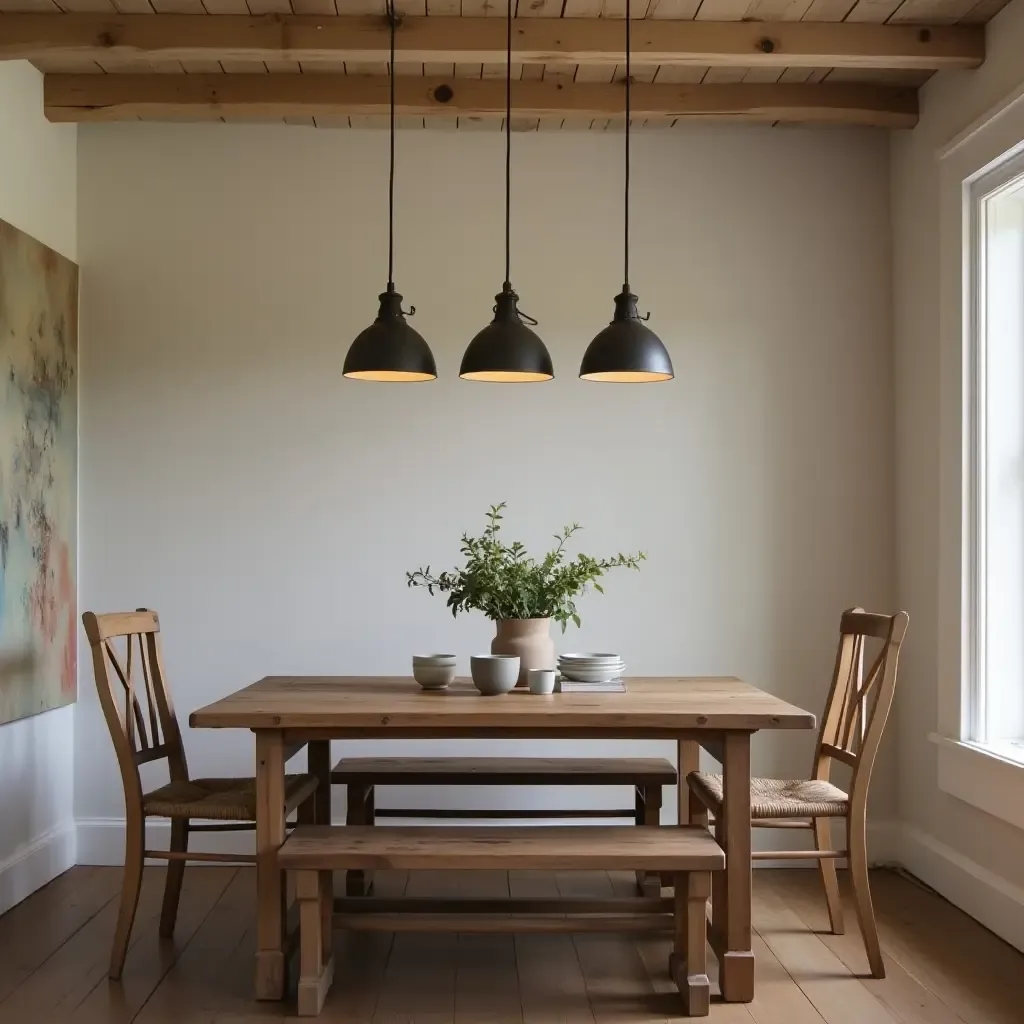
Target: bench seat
(504, 771)
(541, 848)
(689, 854)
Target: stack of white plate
(591, 668)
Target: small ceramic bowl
(494, 674)
(541, 681)
(433, 671)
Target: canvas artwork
(38, 476)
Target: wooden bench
(689, 854)
(361, 775)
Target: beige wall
(268, 508)
(37, 195)
(975, 859)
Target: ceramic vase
(530, 639)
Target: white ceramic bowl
(494, 674)
(592, 675)
(568, 663)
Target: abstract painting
(38, 476)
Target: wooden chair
(144, 729)
(851, 731)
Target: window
(993, 708)
(980, 497)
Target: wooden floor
(943, 968)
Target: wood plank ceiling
(65, 68)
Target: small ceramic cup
(541, 680)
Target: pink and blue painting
(38, 476)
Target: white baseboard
(885, 843)
(36, 863)
(987, 897)
(101, 840)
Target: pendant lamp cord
(524, 317)
(629, 81)
(508, 142)
(391, 168)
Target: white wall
(37, 195)
(269, 509)
(974, 859)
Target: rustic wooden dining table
(720, 714)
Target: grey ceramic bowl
(433, 677)
(494, 674)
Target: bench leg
(689, 962)
(314, 892)
(360, 812)
(648, 812)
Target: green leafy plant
(504, 582)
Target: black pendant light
(506, 350)
(627, 351)
(389, 349)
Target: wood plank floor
(943, 968)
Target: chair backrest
(139, 713)
(859, 703)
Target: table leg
(730, 901)
(648, 812)
(687, 760)
(319, 765)
(270, 833)
(357, 883)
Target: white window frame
(977, 193)
(968, 770)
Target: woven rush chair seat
(220, 799)
(777, 798)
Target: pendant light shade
(627, 351)
(507, 351)
(389, 349)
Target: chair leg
(823, 841)
(175, 876)
(858, 858)
(130, 886)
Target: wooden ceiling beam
(210, 97)
(482, 40)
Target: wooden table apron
(718, 714)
